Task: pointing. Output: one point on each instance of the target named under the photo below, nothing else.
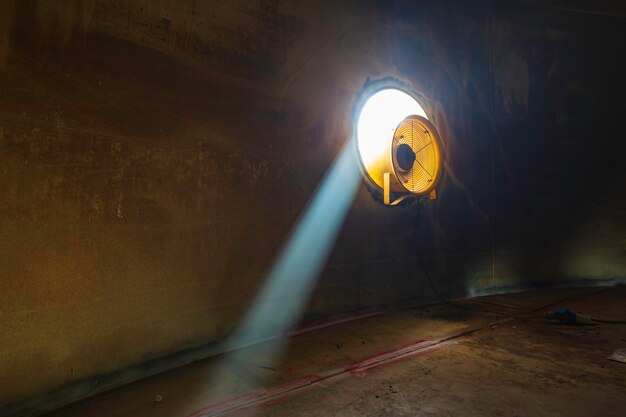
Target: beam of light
(281, 301)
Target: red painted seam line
(391, 353)
(360, 368)
(264, 396)
(505, 305)
(254, 397)
(312, 326)
(315, 325)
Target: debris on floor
(566, 316)
(619, 355)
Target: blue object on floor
(563, 315)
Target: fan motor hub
(405, 157)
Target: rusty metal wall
(156, 153)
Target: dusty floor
(400, 364)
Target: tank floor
(428, 361)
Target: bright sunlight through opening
(378, 119)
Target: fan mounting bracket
(387, 192)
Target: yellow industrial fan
(416, 159)
(410, 162)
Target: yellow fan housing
(415, 156)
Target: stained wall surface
(156, 154)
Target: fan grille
(421, 175)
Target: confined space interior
(399, 148)
(304, 208)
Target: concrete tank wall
(156, 153)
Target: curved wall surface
(156, 155)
